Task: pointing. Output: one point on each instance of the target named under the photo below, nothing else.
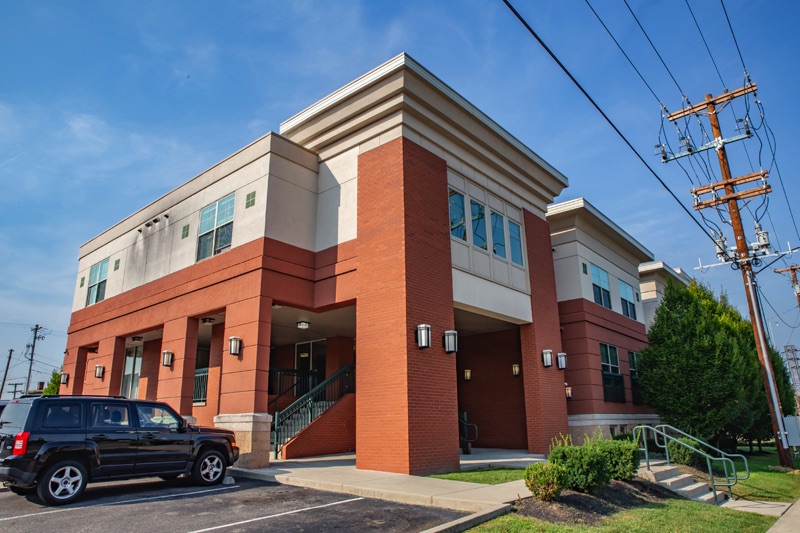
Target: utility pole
(35, 329)
(16, 386)
(743, 260)
(795, 285)
(792, 363)
(5, 375)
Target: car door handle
(100, 437)
(149, 436)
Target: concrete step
(659, 473)
(693, 491)
(678, 482)
(709, 497)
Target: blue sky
(105, 106)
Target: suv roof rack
(71, 396)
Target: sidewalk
(789, 522)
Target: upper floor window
(97, 282)
(601, 287)
(216, 228)
(478, 224)
(458, 228)
(498, 235)
(626, 296)
(613, 384)
(515, 242)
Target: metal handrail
(200, 391)
(731, 476)
(311, 405)
(295, 377)
(465, 427)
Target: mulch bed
(590, 509)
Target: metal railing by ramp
(292, 420)
(724, 462)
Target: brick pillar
(75, 366)
(110, 354)
(407, 405)
(245, 379)
(151, 366)
(545, 398)
(176, 382)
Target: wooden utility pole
(5, 375)
(35, 329)
(795, 285)
(731, 198)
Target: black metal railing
(200, 384)
(306, 409)
(290, 382)
(467, 433)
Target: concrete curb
(468, 522)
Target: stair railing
(289, 381)
(293, 419)
(725, 459)
(464, 429)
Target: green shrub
(545, 480)
(623, 436)
(586, 466)
(683, 455)
(622, 456)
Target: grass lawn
(764, 484)
(489, 476)
(673, 515)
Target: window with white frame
(216, 228)
(478, 224)
(626, 297)
(97, 282)
(458, 228)
(515, 242)
(601, 287)
(613, 383)
(498, 235)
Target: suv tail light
(20, 443)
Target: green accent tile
(250, 201)
(82, 280)
(185, 231)
(584, 268)
(116, 265)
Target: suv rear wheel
(209, 468)
(63, 482)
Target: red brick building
(383, 218)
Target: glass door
(130, 374)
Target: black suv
(55, 445)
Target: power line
(603, 114)
(738, 50)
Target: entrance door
(310, 360)
(130, 374)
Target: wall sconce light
(303, 324)
(424, 336)
(166, 358)
(515, 369)
(99, 370)
(64, 378)
(467, 374)
(137, 339)
(547, 358)
(561, 360)
(568, 390)
(450, 341)
(207, 320)
(235, 346)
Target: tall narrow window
(600, 287)
(478, 224)
(458, 227)
(626, 296)
(216, 228)
(613, 384)
(498, 235)
(636, 389)
(515, 241)
(97, 282)
(131, 372)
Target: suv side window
(62, 415)
(110, 415)
(153, 416)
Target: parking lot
(179, 506)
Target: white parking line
(63, 510)
(275, 515)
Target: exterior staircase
(684, 485)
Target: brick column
(407, 404)
(245, 379)
(75, 366)
(176, 383)
(110, 354)
(545, 398)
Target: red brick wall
(407, 419)
(545, 400)
(340, 353)
(333, 432)
(151, 361)
(584, 326)
(494, 398)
